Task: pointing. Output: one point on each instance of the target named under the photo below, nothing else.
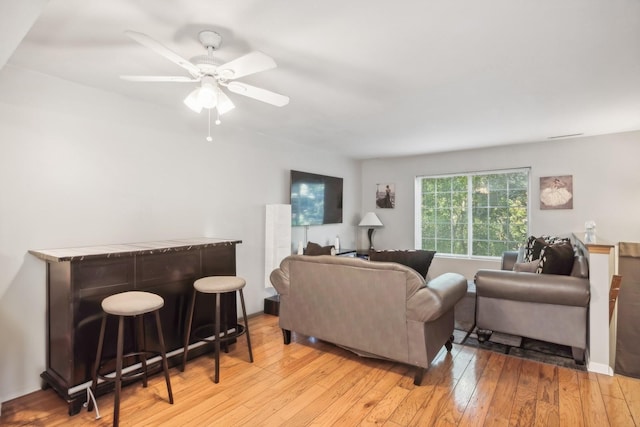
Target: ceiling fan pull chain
(209, 136)
(217, 117)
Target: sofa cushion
(316, 249)
(419, 260)
(556, 259)
(526, 267)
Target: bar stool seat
(130, 304)
(218, 285)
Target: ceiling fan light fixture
(208, 92)
(206, 96)
(224, 103)
(192, 101)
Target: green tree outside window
(481, 214)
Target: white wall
(606, 184)
(16, 18)
(84, 167)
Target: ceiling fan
(211, 76)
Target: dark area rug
(526, 348)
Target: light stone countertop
(127, 249)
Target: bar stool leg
(96, 367)
(225, 327)
(187, 334)
(120, 346)
(165, 365)
(217, 342)
(142, 348)
(246, 325)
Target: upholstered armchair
(547, 307)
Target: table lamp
(370, 220)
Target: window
(476, 214)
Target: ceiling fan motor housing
(206, 63)
(210, 38)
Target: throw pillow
(316, 249)
(535, 244)
(537, 247)
(556, 259)
(526, 267)
(419, 260)
(528, 249)
(553, 240)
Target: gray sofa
(547, 307)
(375, 309)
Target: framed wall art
(556, 192)
(386, 196)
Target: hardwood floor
(314, 383)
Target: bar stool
(130, 304)
(217, 285)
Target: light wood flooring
(314, 383)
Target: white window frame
(418, 208)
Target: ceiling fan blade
(179, 79)
(250, 63)
(157, 47)
(224, 103)
(259, 94)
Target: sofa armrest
(280, 281)
(580, 267)
(509, 258)
(439, 296)
(532, 287)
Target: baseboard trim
(599, 368)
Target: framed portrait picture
(386, 196)
(556, 192)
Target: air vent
(565, 136)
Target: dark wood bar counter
(78, 279)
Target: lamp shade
(370, 220)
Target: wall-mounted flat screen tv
(315, 199)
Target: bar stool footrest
(239, 330)
(135, 373)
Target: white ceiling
(372, 78)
